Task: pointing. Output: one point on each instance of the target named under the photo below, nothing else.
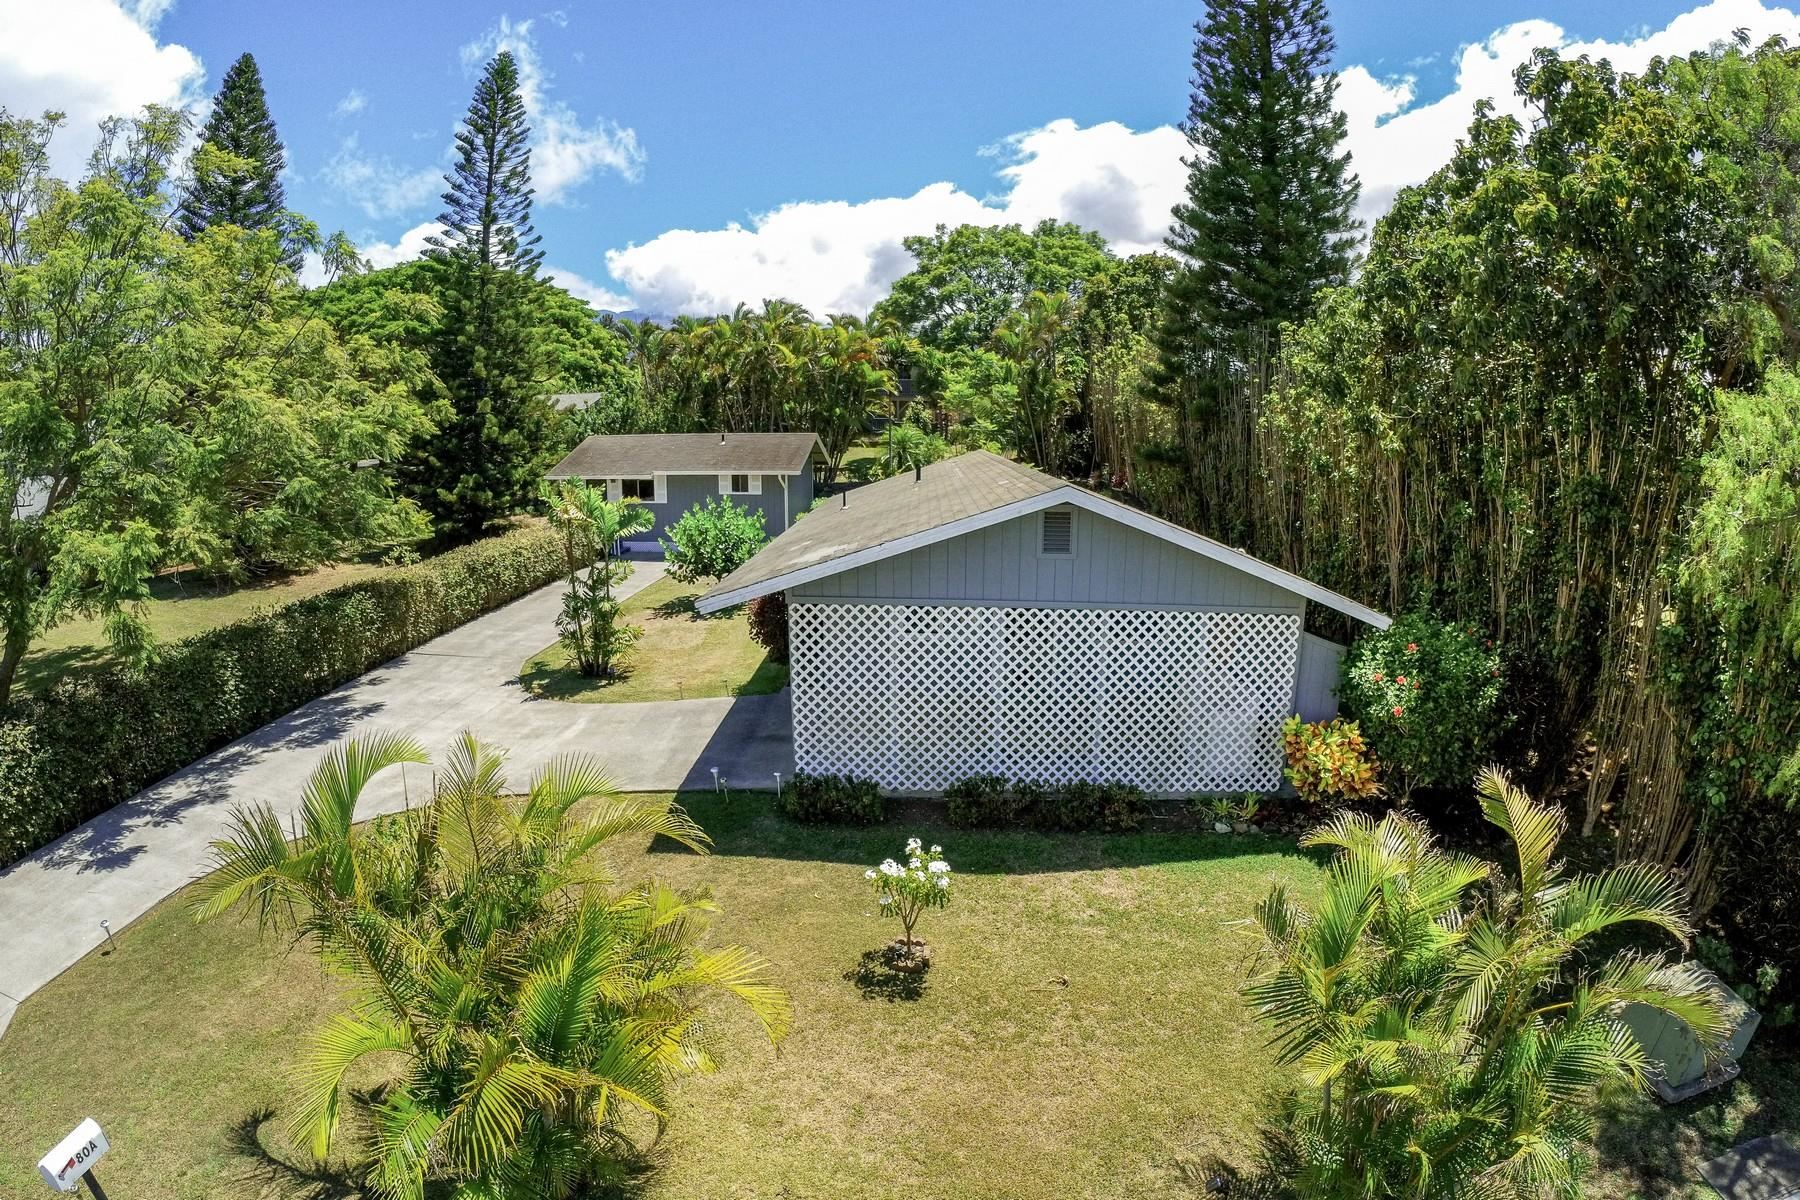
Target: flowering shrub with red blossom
(1426, 695)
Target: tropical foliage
(713, 539)
(966, 281)
(534, 1012)
(1426, 695)
(1329, 760)
(168, 401)
(592, 527)
(769, 369)
(1452, 1022)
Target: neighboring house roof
(951, 498)
(566, 401)
(617, 455)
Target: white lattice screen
(919, 696)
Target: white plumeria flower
(938, 866)
(870, 874)
(914, 863)
(943, 881)
(936, 850)
(887, 899)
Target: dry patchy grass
(1079, 1034)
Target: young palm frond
(1451, 1037)
(539, 1021)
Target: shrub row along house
(669, 473)
(979, 616)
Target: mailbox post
(71, 1163)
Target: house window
(740, 485)
(638, 489)
(1057, 535)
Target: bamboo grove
(1554, 403)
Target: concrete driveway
(120, 864)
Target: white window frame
(753, 484)
(659, 487)
(1042, 518)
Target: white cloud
(352, 103)
(841, 256)
(90, 59)
(602, 298)
(378, 185)
(565, 151)
(1395, 142)
(836, 256)
(405, 248)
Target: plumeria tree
(904, 890)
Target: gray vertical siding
(1315, 688)
(683, 492)
(1113, 566)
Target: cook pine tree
(247, 193)
(485, 458)
(1267, 220)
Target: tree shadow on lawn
(683, 606)
(878, 977)
(1658, 1148)
(745, 824)
(273, 1175)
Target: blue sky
(866, 120)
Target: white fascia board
(849, 562)
(1219, 552)
(1111, 510)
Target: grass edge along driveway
(681, 656)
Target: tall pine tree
(1267, 221)
(488, 452)
(247, 194)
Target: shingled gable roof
(951, 498)
(624, 455)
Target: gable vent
(1058, 536)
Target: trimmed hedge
(1080, 807)
(94, 740)
(839, 799)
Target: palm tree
(848, 378)
(1452, 1024)
(1031, 339)
(535, 1016)
(592, 526)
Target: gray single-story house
(672, 472)
(980, 616)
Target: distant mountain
(640, 315)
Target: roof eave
(721, 597)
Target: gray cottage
(980, 616)
(672, 472)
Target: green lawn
(1080, 1034)
(682, 656)
(180, 607)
